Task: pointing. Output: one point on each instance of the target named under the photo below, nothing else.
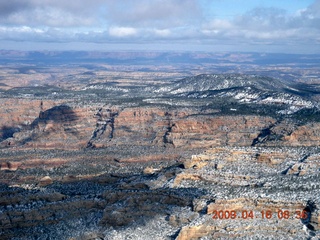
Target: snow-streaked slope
(241, 88)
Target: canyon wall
(37, 124)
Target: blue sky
(289, 26)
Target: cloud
(262, 18)
(98, 20)
(9, 7)
(62, 13)
(156, 13)
(157, 21)
(122, 31)
(268, 26)
(162, 32)
(309, 17)
(49, 17)
(20, 33)
(56, 13)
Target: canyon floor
(158, 146)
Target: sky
(283, 26)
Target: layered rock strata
(121, 199)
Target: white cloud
(220, 24)
(156, 21)
(267, 24)
(58, 13)
(50, 17)
(122, 31)
(162, 32)
(155, 13)
(217, 27)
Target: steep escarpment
(104, 129)
(65, 127)
(183, 128)
(204, 131)
(19, 113)
(288, 132)
(58, 127)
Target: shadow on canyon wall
(61, 119)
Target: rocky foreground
(101, 198)
(161, 169)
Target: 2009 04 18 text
(264, 214)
